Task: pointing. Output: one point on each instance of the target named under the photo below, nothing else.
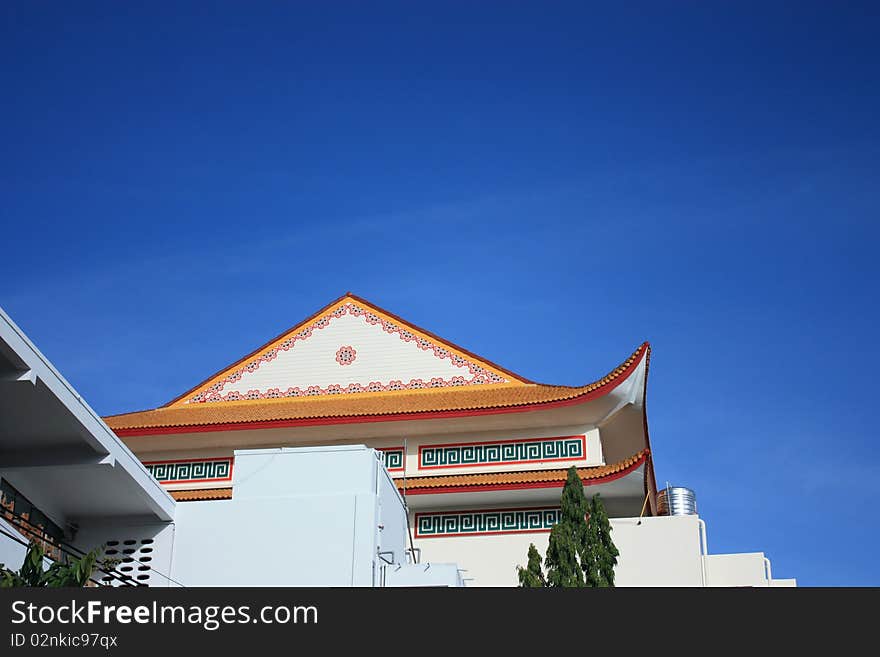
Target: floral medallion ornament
(346, 355)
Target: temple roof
(363, 407)
(354, 362)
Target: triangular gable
(351, 346)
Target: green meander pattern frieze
(565, 448)
(495, 521)
(190, 471)
(393, 457)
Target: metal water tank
(676, 501)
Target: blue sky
(545, 184)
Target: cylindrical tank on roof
(676, 501)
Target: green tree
(532, 576)
(76, 572)
(569, 536)
(600, 555)
(580, 552)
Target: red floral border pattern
(477, 375)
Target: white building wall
(746, 569)
(659, 551)
(249, 543)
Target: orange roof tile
(362, 406)
(537, 478)
(202, 494)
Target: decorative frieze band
(394, 458)
(502, 452)
(191, 470)
(494, 521)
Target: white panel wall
(298, 517)
(662, 551)
(746, 569)
(306, 471)
(273, 542)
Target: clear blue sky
(546, 184)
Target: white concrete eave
(57, 451)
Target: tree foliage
(600, 555)
(76, 572)
(532, 576)
(568, 536)
(580, 552)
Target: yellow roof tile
(202, 494)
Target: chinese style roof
(366, 407)
(386, 369)
(527, 479)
